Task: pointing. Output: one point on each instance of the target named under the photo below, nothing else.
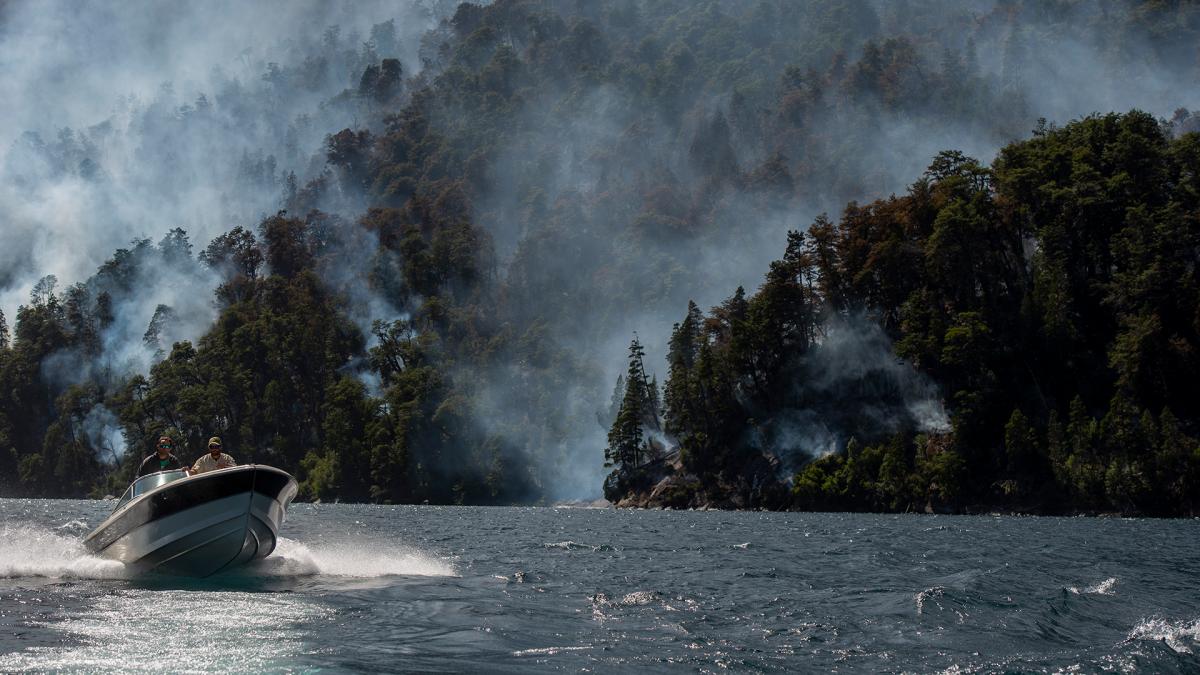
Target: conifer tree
(625, 447)
(683, 350)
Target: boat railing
(147, 483)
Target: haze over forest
(400, 249)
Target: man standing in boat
(162, 460)
(214, 459)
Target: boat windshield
(147, 483)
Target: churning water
(387, 588)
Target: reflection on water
(173, 630)
(519, 590)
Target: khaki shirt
(207, 463)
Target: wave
(551, 651)
(33, 551)
(575, 546)
(943, 600)
(518, 577)
(1103, 588)
(926, 595)
(1181, 636)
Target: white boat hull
(200, 525)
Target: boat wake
(31, 551)
(362, 560)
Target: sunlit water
(516, 589)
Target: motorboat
(196, 525)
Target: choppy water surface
(519, 590)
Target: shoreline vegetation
(642, 502)
(430, 313)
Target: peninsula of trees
(1052, 297)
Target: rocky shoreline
(686, 493)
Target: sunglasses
(168, 446)
(214, 447)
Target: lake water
(428, 588)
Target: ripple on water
(443, 592)
(144, 631)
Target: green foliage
(1081, 342)
(1021, 447)
(629, 447)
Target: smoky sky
(123, 120)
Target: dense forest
(1052, 297)
(431, 303)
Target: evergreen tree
(682, 409)
(626, 443)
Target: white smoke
(103, 431)
(123, 121)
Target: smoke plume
(124, 121)
(598, 203)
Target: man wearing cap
(162, 460)
(214, 459)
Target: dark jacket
(153, 464)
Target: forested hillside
(433, 304)
(1052, 297)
